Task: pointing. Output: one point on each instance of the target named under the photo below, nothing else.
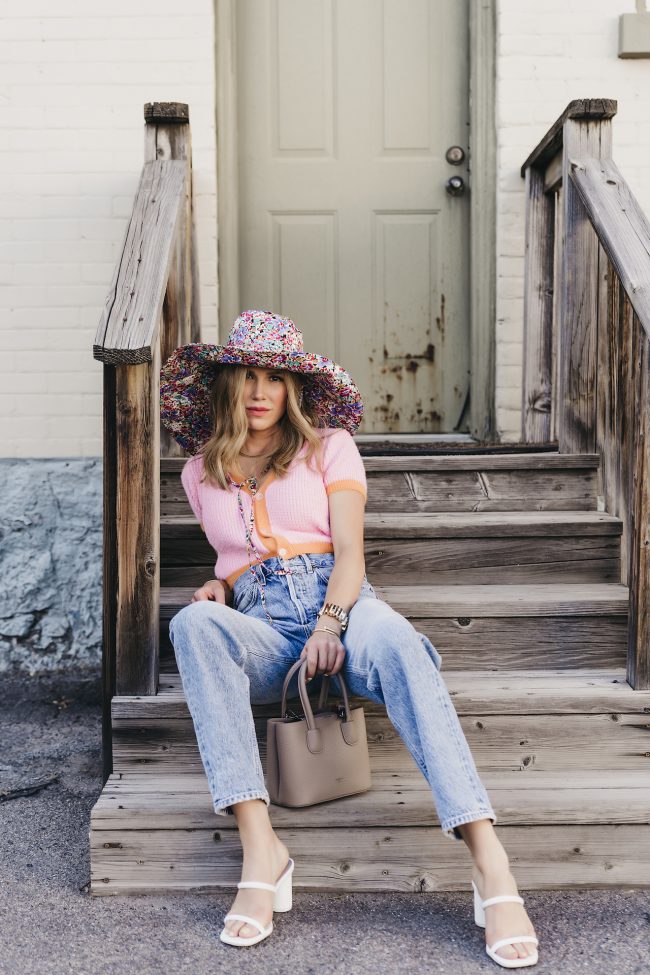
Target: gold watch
(335, 611)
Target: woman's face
(264, 389)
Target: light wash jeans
(232, 657)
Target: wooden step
(564, 757)
(426, 483)
(576, 691)
(445, 548)
(528, 627)
(183, 801)
(425, 602)
(536, 721)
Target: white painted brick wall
(74, 76)
(548, 54)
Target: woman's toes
(507, 951)
(517, 950)
(241, 929)
(522, 949)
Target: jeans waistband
(305, 562)
(274, 565)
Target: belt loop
(308, 562)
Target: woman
(275, 467)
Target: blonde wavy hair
(230, 425)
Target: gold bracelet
(320, 629)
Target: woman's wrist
(227, 591)
(331, 623)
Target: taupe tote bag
(320, 756)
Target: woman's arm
(324, 651)
(346, 528)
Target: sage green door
(346, 112)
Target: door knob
(455, 186)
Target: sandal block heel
(283, 896)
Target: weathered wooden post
(151, 307)
(586, 133)
(538, 309)
(560, 282)
(168, 136)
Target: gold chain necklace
(259, 456)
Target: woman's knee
(378, 632)
(194, 616)
(387, 627)
(390, 638)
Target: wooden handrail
(621, 225)
(151, 309)
(586, 378)
(130, 322)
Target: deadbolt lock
(455, 155)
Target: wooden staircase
(506, 564)
(527, 566)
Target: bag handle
(314, 738)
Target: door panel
(345, 113)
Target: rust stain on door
(405, 380)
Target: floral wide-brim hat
(257, 338)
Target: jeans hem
(222, 806)
(449, 828)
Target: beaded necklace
(250, 544)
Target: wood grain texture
(137, 515)
(579, 295)
(498, 742)
(129, 324)
(581, 691)
(487, 644)
(588, 110)
(412, 859)
(167, 800)
(600, 331)
(538, 310)
(622, 227)
(422, 601)
(150, 309)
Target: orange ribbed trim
(318, 548)
(346, 486)
(277, 545)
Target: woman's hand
(324, 652)
(214, 589)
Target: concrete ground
(49, 923)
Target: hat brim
(186, 381)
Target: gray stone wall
(50, 564)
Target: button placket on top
(261, 524)
(276, 544)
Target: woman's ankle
(260, 843)
(490, 863)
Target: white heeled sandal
(282, 901)
(479, 917)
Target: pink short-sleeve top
(291, 514)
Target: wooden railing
(587, 332)
(151, 308)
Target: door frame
(482, 185)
